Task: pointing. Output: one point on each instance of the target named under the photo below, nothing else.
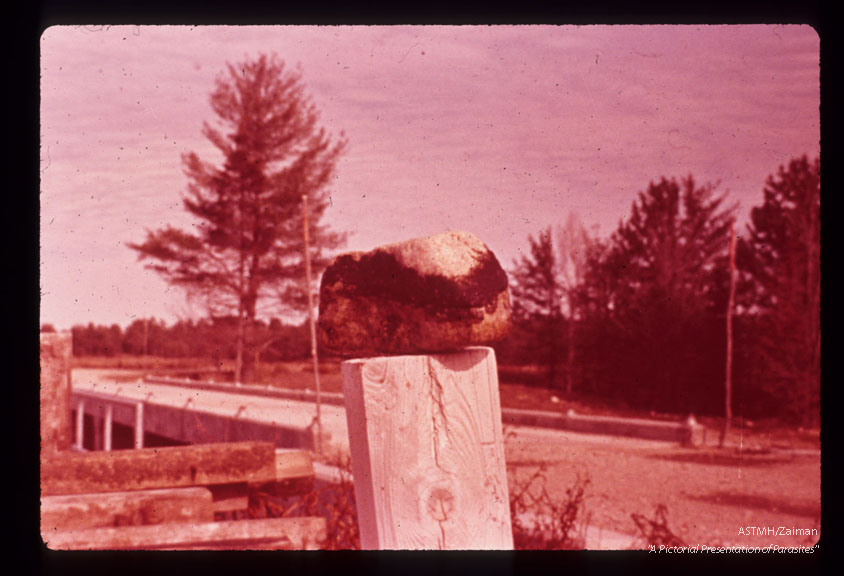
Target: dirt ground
(732, 496)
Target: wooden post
(728, 379)
(427, 451)
(56, 426)
(318, 442)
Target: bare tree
(573, 244)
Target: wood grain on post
(56, 426)
(427, 451)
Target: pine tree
(780, 261)
(537, 301)
(246, 248)
(662, 281)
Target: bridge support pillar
(139, 425)
(107, 427)
(80, 425)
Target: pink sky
(497, 130)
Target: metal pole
(311, 321)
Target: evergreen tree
(247, 247)
(537, 303)
(780, 261)
(661, 285)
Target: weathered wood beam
(291, 464)
(149, 468)
(294, 475)
(306, 533)
(110, 509)
(230, 497)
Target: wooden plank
(149, 468)
(294, 475)
(81, 511)
(56, 427)
(306, 533)
(291, 464)
(230, 497)
(427, 451)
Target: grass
(132, 362)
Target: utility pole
(146, 342)
(311, 321)
(728, 392)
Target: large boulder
(433, 294)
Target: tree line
(639, 318)
(212, 339)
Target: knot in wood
(440, 503)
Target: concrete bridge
(110, 415)
(113, 414)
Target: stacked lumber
(168, 498)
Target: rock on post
(433, 294)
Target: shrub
(655, 531)
(553, 525)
